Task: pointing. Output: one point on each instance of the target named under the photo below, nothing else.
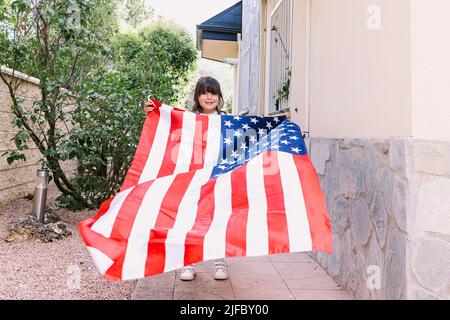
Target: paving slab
(276, 277)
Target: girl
(208, 99)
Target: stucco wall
(430, 65)
(360, 75)
(18, 179)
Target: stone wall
(389, 205)
(428, 249)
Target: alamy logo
(374, 17)
(374, 279)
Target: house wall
(360, 83)
(430, 65)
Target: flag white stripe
(156, 156)
(213, 140)
(137, 248)
(101, 260)
(187, 212)
(296, 216)
(105, 223)
(186, 143)
(257, 228)
(215, 239)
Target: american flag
(204, 187)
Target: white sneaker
(187, 273)
(221, 271)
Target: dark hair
(204, 85)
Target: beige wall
(17, 179)
(360, 78)
(299, 92)
(430, 27)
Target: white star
(285, 142)
(237, 118)
(243, 146)
(292, 131)
(224, 161)
(268, 125)
(261, 131)
(234, 154)
(275, 146)
(253, 120)
(237, 133)
(252, 139)
(228, 123)
(283, 134)
(276, 120)
(227, 141)
(245, 126)
(295, 149)
(293, 138)
(221, 167)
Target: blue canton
(245, 137)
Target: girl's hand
(149, 106)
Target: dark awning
(218, 30)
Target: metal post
(40, 194)
(109, 164)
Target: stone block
(433, 205)
(432, 158)
(395, 266)
(340, 215)
(430, 264)
(398, 157)
(399, 203)
(378, 216)
(320, 155)
(360, 222)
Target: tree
(154, 62)
(56, 42)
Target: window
(280, 29)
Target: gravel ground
(59, 270)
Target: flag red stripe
(143, 150)
(236, 235)
(199, 143)
(205, 212)
(92, 238)
(316, 208)
(124, 223)
(276, 212)
(156, 254)
(173, 144)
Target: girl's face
(208, 102)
